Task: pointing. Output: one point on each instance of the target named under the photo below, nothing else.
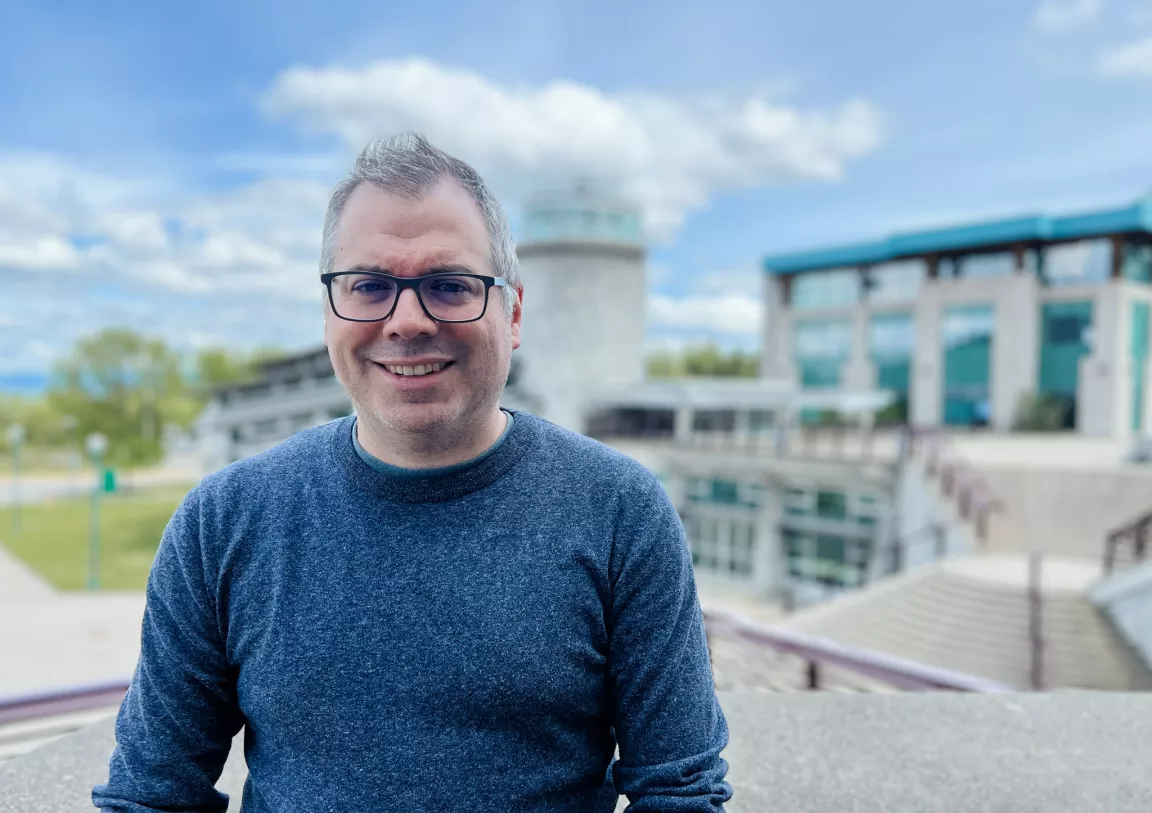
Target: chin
(413, 417)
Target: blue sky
(164, 165)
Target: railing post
(941, 535)
(1140, 545)
(813, 675)
(1035, 619)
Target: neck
(428, 450)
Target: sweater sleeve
(667, 719)
(180, 714)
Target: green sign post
(96, 445)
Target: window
(265, 427)
(821, 347)
(1066, 330)
(865, 509)
(1085, 261)
(725, 492)
(798, 501)
(743, 545)
(895, 281)
(714, 420)
(1000, 264)
(831, 505)
(835, 288)
(761, 420)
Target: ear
(517, 315)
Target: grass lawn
(53, 537)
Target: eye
(370, 287)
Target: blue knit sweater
(477, 640)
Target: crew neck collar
(434, 485)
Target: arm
(667, 719)
(178, 719)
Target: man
(434, 605)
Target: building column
(770, 568)
(776, 358)
(682, 430)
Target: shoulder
(576, 456)
(288, 466)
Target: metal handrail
(1137, 530)
(898, 672)
(61, 700)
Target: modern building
(969, 325)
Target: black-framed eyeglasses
(371, 296)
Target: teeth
(419, 369)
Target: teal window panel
(834, 288)
(1065, 336)
(831, 504)
(725, 492)
(1137, 266)
(1139, 353)
(968, 332)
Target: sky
(166, 166)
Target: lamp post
(69, 423)
(15, 441)
(96, 445)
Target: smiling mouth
(415, 370)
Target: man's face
(408, 238)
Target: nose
(409, 320)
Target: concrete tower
(582, 260)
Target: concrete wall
(583, 326)
(1067, 512)
(815, 752)
(776, 356)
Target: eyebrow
(442, 268)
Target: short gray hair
(407, 164)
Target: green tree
(216, 367)
(704, 361)
(126, 386)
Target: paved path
(50, 639)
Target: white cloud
(1130, 59)
(80, 251)
(1054, 16)
(736, 313)
(44, 252)
(670, 155)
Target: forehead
(408, 236)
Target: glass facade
(1139, 354)
(826, 534)
(821, 347)
(1065, 337)
(835, 288)
(1137, 264)
(892, 339)
(967, 338)
(1080, 263)
(897, 281)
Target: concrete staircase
(972, 615)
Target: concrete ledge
(819, 752)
